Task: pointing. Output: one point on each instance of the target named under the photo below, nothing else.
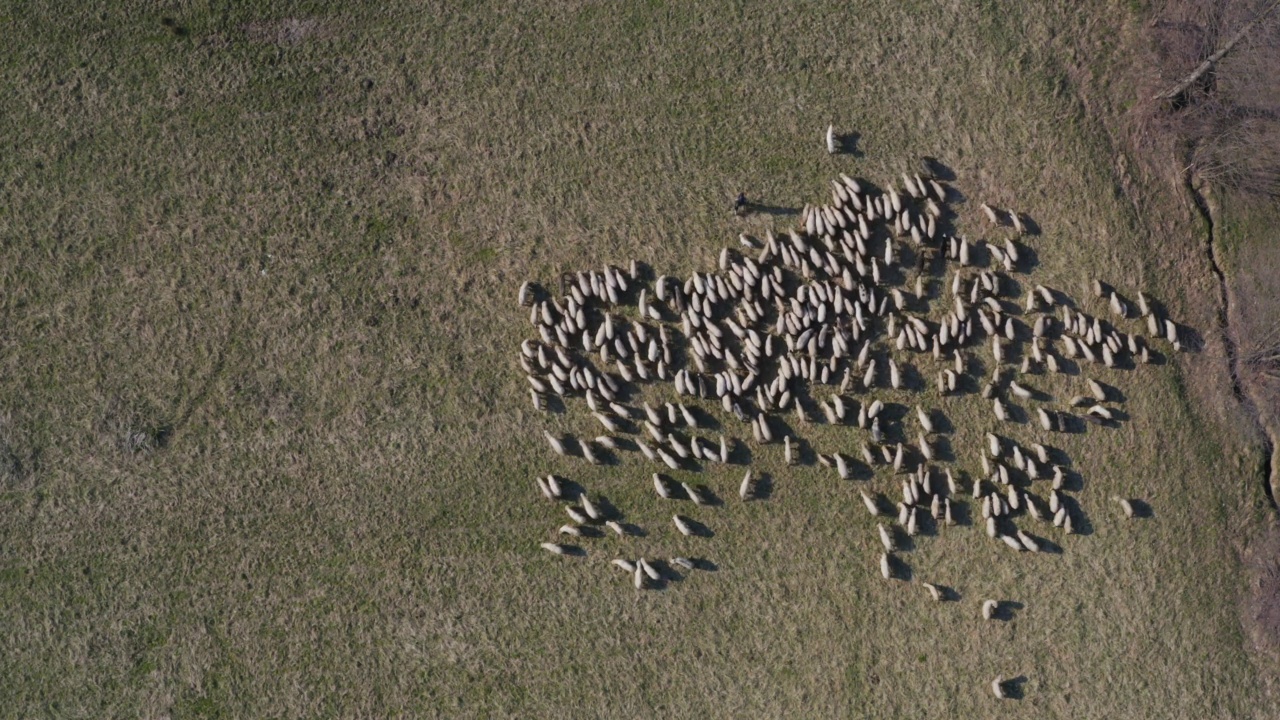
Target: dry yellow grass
(266, 447)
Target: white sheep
(989, 608)
(555, 548)
(682, 525)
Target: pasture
(267, 451)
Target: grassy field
(266, 451)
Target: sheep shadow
(935, 169)
(705, 565)
(697, 528)
(607, 509)
(900, 570)
(942, 424)
(763, 487)
(633, 530)
(1006, 610)
(1013, 689)
(709, 496)
(948, 593)
(1028, 258)
(1141, 509)
(1046, 546)
(666, 571)
(771, 210)
(1071, 424)
(847, 144)
(1080, 523)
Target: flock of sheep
(813, 324)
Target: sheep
(683, 562)
(989, 608)
(1125, 505)
(661, 487)
(556, 443)
(925, 423)
(886, 570)
(625, 565)
(649, 570)
(592, 511)
(1098, 391)
(1012, 542)
(992, 531)
(870, 504)
(639, 578)
(744, 490)
(1101, 412)
(555, 548)
(616, 527)
(553, 484)
(693, 494)
(577, 515)
(885, 538)
(831, 139)
(666, 458)
(545, 489)
(1028, 542)
(682, 525)
(934, 591)
(1060, 517)
(990, 213)
(589, 454)
(997, 687)
(573, 530)
(998, 408)
(1046, 420)
(1019, 390)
